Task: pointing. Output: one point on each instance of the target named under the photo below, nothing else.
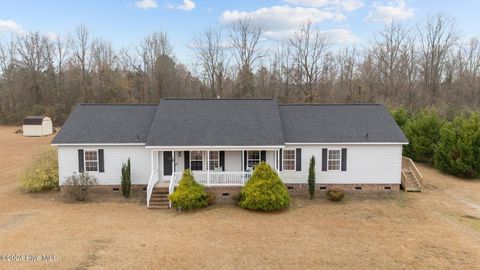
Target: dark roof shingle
(216, 122)
(107, 123)
(339, 123)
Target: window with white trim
(253, 158)
(288, 160)
(91, 160)
(334, 159)
(196, 161)
(214, 160)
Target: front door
(167, 163)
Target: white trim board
(96, 144)
(216, 148)
(347, 143)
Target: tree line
(413, 66)
(450, 145)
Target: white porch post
(173, 163)
(208, 168)
(151, 161)
(278, 160)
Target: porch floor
(163, 184)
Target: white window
(91, 160)
(253, 158)
(196, 161)
(334, 159)
(288, 160)
(214, 160)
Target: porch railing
(214, 179)
(151, 184)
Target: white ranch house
(356, 146)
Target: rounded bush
(42, 174)
(189, 194)
(335, 194)
(264, 191)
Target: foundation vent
(358, 188)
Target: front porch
(210, 167)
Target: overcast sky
(126, 22)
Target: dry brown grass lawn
(436, 229)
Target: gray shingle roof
(216, 122)
(339, 123)
(107, 123)
(228, 122)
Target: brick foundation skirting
(302, 189)
(111, 188)
(227, 193)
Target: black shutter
(80, 161)
(280, 167)
(245, 159)
(101, 163)
(263, 156)
(186, 160)
(222, 160)
(298, 157)
(344, 159)
(324, 159)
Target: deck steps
(410, 183)
(159, 198)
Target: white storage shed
(37, 126)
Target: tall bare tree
(309, 52)
(437, 38)
(210, 51)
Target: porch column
(208, 168)
(173, 163)
(151, 162)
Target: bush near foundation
(189, 194)
(335, 194)
(77, 185)
(264, 191)
(42, 174)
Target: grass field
(436, 229)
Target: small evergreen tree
(401, 116)
(423, 133)
(458, 150)
(311, 178)
(126, 179)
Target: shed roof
(33, 120)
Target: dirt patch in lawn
(429, 230)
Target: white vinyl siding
(367, 164)
(114, 156)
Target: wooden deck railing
(214, 179)
(408, 163)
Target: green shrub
(126, 179)
(458, 150)
(423, 133)
(311, 178)
(264, 191)
(335, 194)
(77, 185)
(401, 116)
(42, 174)
(189, 194)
